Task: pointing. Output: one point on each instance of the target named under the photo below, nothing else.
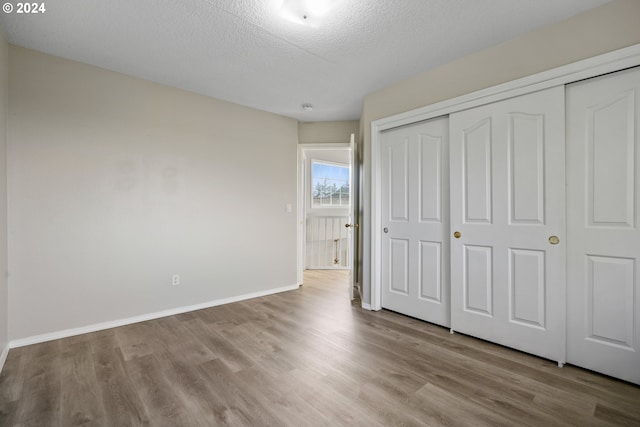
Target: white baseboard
(366, 306)
(3, 356)
(122, 322)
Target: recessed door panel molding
(415, 220)
(477, 172)
(430, 271)
(430, 152)
(610, 302)
(611, 166)
(526, 168)
(478, 280)
(527, 287)
(603, 288)
(399, 266)
(399, 181)
(517, 147)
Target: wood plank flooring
(301, 358)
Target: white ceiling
(245, 52)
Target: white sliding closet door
(603, 149)
(508, 204)
(415, 220)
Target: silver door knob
(386, 230)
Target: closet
(517, 221)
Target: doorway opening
(325, 209)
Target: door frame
(302, 193)
(602, 64)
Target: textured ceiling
(245, 52)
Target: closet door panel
(476, 161)
(526, 169)
(478, 280)
(507, 201)
(603, 181)
(415, 218)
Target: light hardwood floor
(305, 357)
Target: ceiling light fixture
(306, 12)
(307, 107)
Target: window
(329, 184)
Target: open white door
(353, 224)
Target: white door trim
(353, 232)
(602, 64)
(302, 212)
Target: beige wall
(117, 183)
(4, 292)
(327, 132)
(610, 27)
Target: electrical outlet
(175, 280)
